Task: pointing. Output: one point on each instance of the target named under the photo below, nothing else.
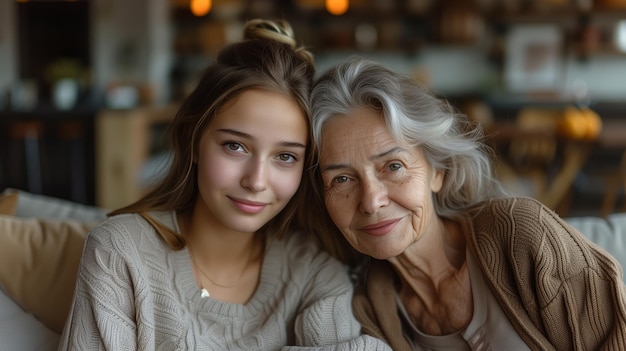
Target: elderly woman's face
(378, 193)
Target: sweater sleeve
(325, 320)
(101, 316)
(552, 276)
(584, 290)
(328, 323)
(363, 342)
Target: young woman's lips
(248, 206)
(380, 228)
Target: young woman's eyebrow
(235, 133)
(250, 137)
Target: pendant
(204, 293)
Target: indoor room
(88, 89)
(87, 86)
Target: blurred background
(87, 87)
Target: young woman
(211, 258)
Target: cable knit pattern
(559, 290)
(134, 293)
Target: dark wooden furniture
(47, 151)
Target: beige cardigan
(559, 290)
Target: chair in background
(616, 183)
(29, 133)
(72, 132)
(535, 160)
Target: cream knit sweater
(134, 293)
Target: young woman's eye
(287, 158)
(235, 147)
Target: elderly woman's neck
(436, 256)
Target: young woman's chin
(245, 222)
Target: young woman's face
(250, 160)
(377, 192)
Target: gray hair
(416, 118)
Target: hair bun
(277, 30)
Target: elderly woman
(450, 261)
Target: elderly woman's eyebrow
(333, 167)
(393, 150)
(336, 166)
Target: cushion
(38, 265)
(609, 233)
(8, 202)
(42, 206)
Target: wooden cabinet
(125, 141)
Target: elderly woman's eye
(340, 179)
(395, 166)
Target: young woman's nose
(255, 177)
(373, 196)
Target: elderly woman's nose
(373, 195)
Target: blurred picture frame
(533, 58)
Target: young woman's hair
(416, 118)
(266, 59)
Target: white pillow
(20, 330)
(46, 207)
(609, 233)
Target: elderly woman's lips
(380, 228)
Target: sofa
(41, 239)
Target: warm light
(200, 8)
(337, 7)
(620, 35)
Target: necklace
(203, 291)
(213, 281)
